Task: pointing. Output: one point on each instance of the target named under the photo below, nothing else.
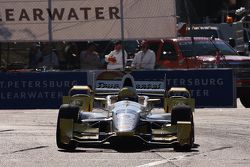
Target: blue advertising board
(37, 90)
(44, 90)
(209, 87)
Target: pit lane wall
(44, 90)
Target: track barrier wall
(44, 90)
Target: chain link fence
(65, 25)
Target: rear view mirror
(99, 102)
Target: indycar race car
(126, 116)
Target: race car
(126, 115)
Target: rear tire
(66, 111)
(183, 113)
(245, 101)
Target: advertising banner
(209, 87)
(37, 90)
(74, 20)
(32, 90)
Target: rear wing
(151, 88)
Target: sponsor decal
(108, 85)
(139, 84)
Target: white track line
(162, 161)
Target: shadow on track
(122, 147)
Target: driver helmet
(127, 93)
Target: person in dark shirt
(89, 58)
(47, 58)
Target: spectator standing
(72, 55)
(115, 57)
(89, 59)
(145, 58)
(58, 49)
(47, 58)
(34, 51)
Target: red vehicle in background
(200, 52)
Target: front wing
(148, 131)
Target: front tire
(66, 111)
(183, 113)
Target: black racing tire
(68, 112)
(245, 101)
(183, 113)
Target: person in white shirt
(145, 58)
(115, 57)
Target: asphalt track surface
(27, 138)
